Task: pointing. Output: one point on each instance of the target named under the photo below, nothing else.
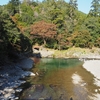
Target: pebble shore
(12, 76)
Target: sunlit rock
(32, 74)
(96, 90)
(18, 90)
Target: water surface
(60, 79)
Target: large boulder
(26, 63)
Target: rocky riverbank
(78, 53)
(73, 52)
(12, 76)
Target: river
(59, 79)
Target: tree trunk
(44, 42)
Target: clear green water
(55, 78)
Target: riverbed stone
(11, 78)
(26, 63)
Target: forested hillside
(52, 23)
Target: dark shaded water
(60, 79)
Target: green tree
(97, 43)
(92, 25)
(10, 32)
(95, 8)
(73, 3)
(13, 6)
(11, 38)
(81, 39)
(25, 17)
(72, 14)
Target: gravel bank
(12, 76)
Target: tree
(11, 39)
(95, 8)
(73, 6)
(15, 2)
(27, 14)
(72, 13)
(63, 42)
(44, 30)
(73, 3)
(92, 25)
(54, 11)
(13, 7)
(81, 39)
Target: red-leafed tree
(44, 30)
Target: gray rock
(26, 64)
(10, 77)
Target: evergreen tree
(73, 3)
(13, 7)
(15, 2)
(95, 8)
(72, 13)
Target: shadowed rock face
(41, 92)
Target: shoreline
(73, 52)
(12, 76)
(93, 66)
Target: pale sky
(83, 5)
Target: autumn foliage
(44, 30)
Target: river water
(59, 79)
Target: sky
(83, 5)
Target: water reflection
(60, 79)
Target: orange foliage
(13, 18)
(43, 29)
(22, 29)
